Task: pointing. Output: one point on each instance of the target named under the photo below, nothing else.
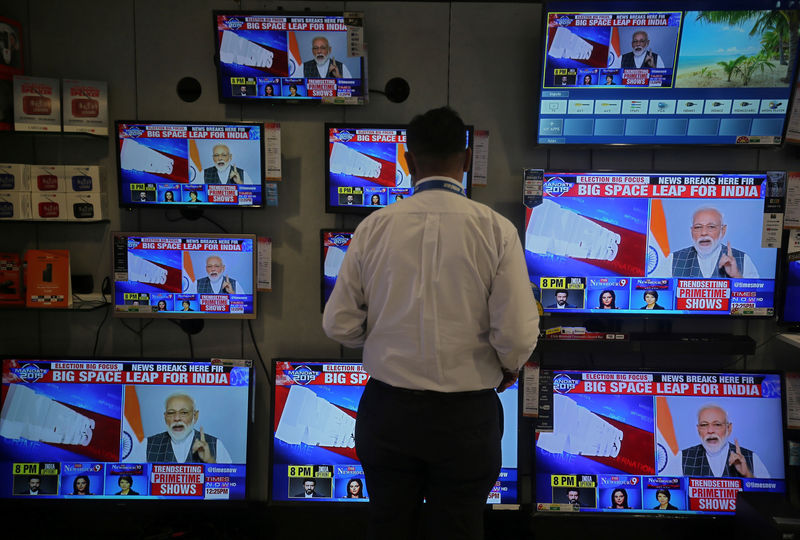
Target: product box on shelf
(82, 178)
(84, 207)
(85, 106)
(14, 177)
(49, 206)
(15, 205)
(11, 279)
(47, 178)
(47, 278)
(37, 104)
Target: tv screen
(791, 297)
(182, 275)
(651, 244)
(333, 246)
(107, 429)
(315, 404)
(675, 72)
(366, 169)
(291, 57)
(658, 442)
(184, 164)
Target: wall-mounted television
(366, 169)
(190, 164)
(315, 403)
(124, 429)
(183, 275)
(657, 244)
(677, 72)
(658, 442)
(333, 246)
(283, 57)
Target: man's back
(437, 315)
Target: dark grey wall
(479, 57)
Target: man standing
(436, 290)
(324, 65)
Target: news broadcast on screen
(366, 167)
(666, 72)
(669, 442)
(652, 244)
(143, 429)
(185, 164)
(291, 57)
(313, 455)
(184, 275)
(333, 245)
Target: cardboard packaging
(15, 205)
(47, 278)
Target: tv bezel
(111, 502)
(280, 99)
(602, 6)
(340, 503)
(366, 210)
(180, 204)
(786, 325)
(589, 313)
(179, 314)
(322, 232)
(642, 513)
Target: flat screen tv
(190, 164)
(674, 72)
(333, 246)
(366, 169)
(283, 57)
(124, 429)
(651, 244)
(183, 275)
(790, 315)
(315, 403)
(658, 442)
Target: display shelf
(656, 343)
(83, 302)
(791, 339)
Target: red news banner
(177, 480)
(665, 186)
(614, 19)
(315, 24)
(379, 136)
(188, 244)
(155, 373)
(197, 132)
(668, 384)
(713, 493)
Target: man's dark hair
(436, 133)
(309, 480)
(565, 291)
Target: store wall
(479, 57)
